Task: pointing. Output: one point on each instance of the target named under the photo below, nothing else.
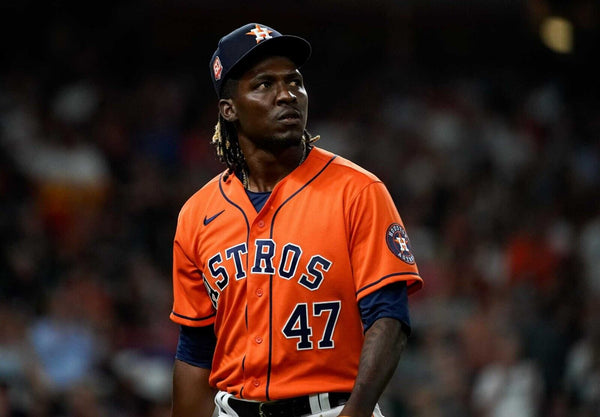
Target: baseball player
(292, 267)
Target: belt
(290, 407)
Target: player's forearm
(382, 348)
(192, 396)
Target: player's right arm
(192, 395)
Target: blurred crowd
(496, 176)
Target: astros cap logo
(217, 68)
(260, 32)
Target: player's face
(270, 105)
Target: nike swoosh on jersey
(207, 220)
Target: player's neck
(267, 167)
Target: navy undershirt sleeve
(196, 345)
(389, 301)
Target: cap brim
(292, 47)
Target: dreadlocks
(227, 145)
(228, 148)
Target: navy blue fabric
(249, 41)
(389, 301)
(196, 345)
(258, 199)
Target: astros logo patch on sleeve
(398, 242)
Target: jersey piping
(366, 287)
(191, 318)
(271, 276)
(243, 214)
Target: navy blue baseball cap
(253, 40)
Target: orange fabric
(285, 281)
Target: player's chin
(286, 140)
(292, 133)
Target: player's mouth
(290, 116)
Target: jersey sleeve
(380, 249)
(192, 305)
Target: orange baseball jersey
(281, 286)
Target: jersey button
(259, 292)
(256, 382)
(261, 223)
(258, 339)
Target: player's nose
(285, 94)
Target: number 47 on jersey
(298, 324)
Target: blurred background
(482, 117)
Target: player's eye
(297, 82)
(263, 85)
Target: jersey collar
(294, 183)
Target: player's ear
(227, 109)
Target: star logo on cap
(217, 68)
(261, 33)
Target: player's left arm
(385, 273)
(384, 343)
(192, 394)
